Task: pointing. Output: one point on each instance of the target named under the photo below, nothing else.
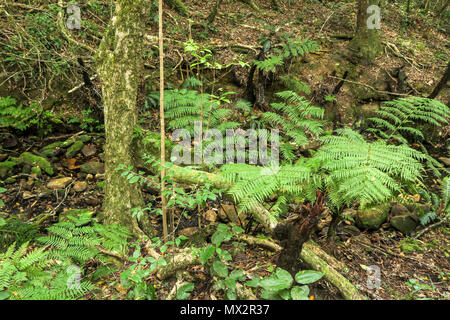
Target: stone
(34, 160)
(89, 150)
(59, 183)
(93, 167)
(187, 232)
(406, 224)
(210, 216)
(80, 186)
(36, 171)
(51, 149)
(74, 149)
(372, 218)
(399, 209)
(28, 195)
(6, 168)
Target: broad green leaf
(208, 253)
(300, 293)
(185, 291)
(220, 268)
(308, 276)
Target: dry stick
(421, 233)
(161, 112)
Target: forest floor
(421, 272)
(425, 260)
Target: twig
(421, 233)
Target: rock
(6, 168)
(82, 214)
(10, 180)
(74, 149)
(187, 232)
(445, 161)
(52, 149)
(89, 177)
(89, 150)
(93, 167)
(34, 160)
(406, 224)
(36, 171)
(59, 183)
(399, 209)
(80, 186)
(84, 138)
(210, 216)
(372, 218)
(28, 195)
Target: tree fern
(255, 184)
(289, 49)
(402, 118)
(297, 119)
(366, 172)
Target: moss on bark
(119, 64)
(366, 44)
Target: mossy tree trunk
(366, 44)
(119, 64)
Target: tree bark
(366, 44)
(120, 64)
(441, 83)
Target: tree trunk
(119, 64)
(441, 83)
(366, 44)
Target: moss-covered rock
(372, 218)
(74, 149)
(6, 168)
(51, 149)
(34, 160)
(36, 171)
(406, 224)
(93, 167)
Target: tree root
(319, 260)
(311, 253)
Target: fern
(399, 119)
(254, 184)
(47, 272)
(16, 231)
(366, 172)
(298, 120)
(289, 49)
